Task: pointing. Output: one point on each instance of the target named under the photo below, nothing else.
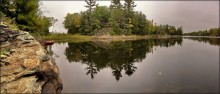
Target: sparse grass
(68, 37)
(83, 38)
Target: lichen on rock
(25, 66)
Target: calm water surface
(186, 65)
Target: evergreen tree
(179, 31)
(129, 13)
(8, 7)
(129, 5)
(115, 4)
(27, 14)
(90, 5)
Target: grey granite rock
(25, 66)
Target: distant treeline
(116, 19)
(26, 14)
(211, 32)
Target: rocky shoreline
(25, 65)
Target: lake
(163, 65)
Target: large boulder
(25, 65)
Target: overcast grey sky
(192, 15)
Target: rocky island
(25, 65)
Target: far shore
(107, 38)
(84, 38)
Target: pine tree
(7, 7)
(129, 5)
(90, 5)
(116, 4)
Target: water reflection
(174, 65)
(118, 56)
(211, 41)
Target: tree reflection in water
(118, 56)
(211, 41)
